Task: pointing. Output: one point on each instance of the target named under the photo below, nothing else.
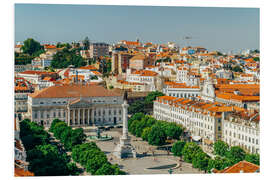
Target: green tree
(66, 57)
(152, 97)
(45, 160)
(110, 87)
(133, 127)
(73, 169)
(96, 162)
(157, 135)
(59, 128)
(30, 46)
(143, 123)
(173, 131)
(137, 106)
(218, 163)
(177, 148)
(86, 43)
(136, 116)
(190, 150)
(236, 154)
(220, 148)
(253, 158)
(237, 69)
(106, 169)
(200, 160)
(54, 122)
(145, 133)
(256, 59)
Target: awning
(207, 141)
(196, 138)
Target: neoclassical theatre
(76, 104)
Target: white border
(6, 47)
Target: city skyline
(222, 29)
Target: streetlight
(170, 171)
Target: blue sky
(220, 29)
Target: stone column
(73, 120)
(79, 116)
(125, 119)
(88, 116)
(68, 116)
(93, 116)
(83, 119)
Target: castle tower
(124, 149)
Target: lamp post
(170, 171)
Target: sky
(222, 29)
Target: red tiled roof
(242, 166)
(90, 67)
(73, 90)
(19, 172)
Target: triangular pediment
(80, 103)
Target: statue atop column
(124, 149)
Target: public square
(146, 162)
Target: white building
(242, 130)
(181, 90)
(203, 119)
(143, 76)
(76, 104)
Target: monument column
(124, 149)
(125, 119)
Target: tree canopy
(190, 150)
(86, 43)
(253, 158)
(220, 148)
(236, 154)
(146, 105)
(66, 57)
(157, 135)
(30, 46)
(177, 148)
(237, 69)
(44, 158)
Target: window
(64, 114)
(41, 114)
(54, 114)
(41, 103)
(35, 115)
(114, 112)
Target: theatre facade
(76, 104)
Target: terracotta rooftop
(242, 166)
(73, 90)
(19, 172)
